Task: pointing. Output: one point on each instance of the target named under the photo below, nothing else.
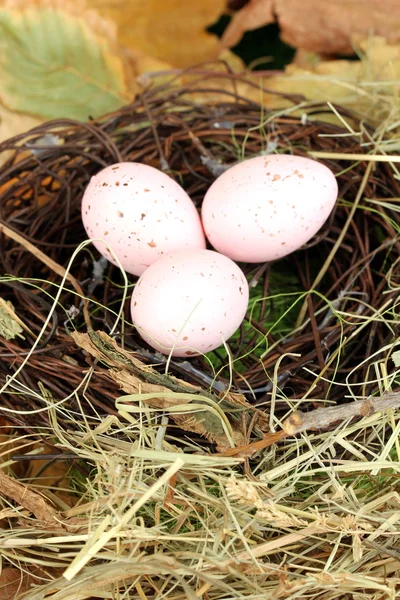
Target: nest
(41, 197)
(322, 322)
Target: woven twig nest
(322, 356)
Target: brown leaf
(255, 14)
(322, 27)
(13, 583)
(134, 377)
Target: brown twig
(249, 449)
(49, 262)
(319, 419)
(325, 418)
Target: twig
(324, 418)
(52, 457)
(338, 242)
(383, 549)
(250, 449)
(49, 262)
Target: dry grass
(316, 516)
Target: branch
(324, 418)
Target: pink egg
(189, 302)
(266, 207)
(141, 213)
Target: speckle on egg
(262, 204)
(176, 304)
(133, 207)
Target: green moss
(279, 317)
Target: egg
(190, 302)
(141, 213)
(266, 207)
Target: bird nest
(320, 331)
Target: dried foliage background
(326, 28)
(80, 59)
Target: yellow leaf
(173, 31)
(13, 123)
(333, 80)
(367, 86)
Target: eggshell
(189, 302)
(266, 207)
(141, 213)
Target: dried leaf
(172, 31)
(14, 582)
(322, 27)
(9, 326)
(365, 86)
(134, 377)
(13, 123)
(396, 358)
(58, 62)
(202, 422)
(29, 499)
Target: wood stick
(325, 418)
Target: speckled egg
(266, 207)
(190, 302)
(141, 213)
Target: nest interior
(321, 322)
